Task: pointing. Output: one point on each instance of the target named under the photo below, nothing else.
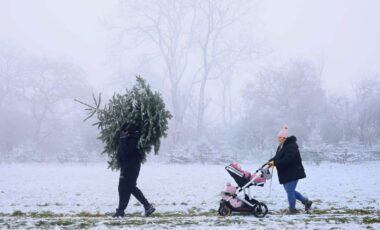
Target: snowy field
(186, 197)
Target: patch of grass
(18, 213)
(338, 220)
(353, 211)
(188, 223)
(62, 222)
(358, 211)
(184, 203)
(319, 211)
(367, 218)
(46, 214)
(211, 212)
(34, 214)
(123, 223)
(113, 223)
(134, 214)
(41, 223)
(343, 211)
(168, 214)
(88, 214)
(227, 221)
(371, 220)
(85, 225)
(192, 212)
(291, 222)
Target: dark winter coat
(128, 148)
(288, 161)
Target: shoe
(292, 211)
(118, 214)
(149, 210)
(307, 204)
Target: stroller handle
(264, 166)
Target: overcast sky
(346, 34)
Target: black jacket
(288, 161)
(128, 148)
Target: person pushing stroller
(289, 166)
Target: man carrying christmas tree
(129, 161)
(143, 119)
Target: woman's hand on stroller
(269, 164)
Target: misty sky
(345, 34)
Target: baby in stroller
(232, 202)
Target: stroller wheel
(260, 210)
(224, 210)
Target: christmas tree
(138, 107)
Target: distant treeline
(40, 121)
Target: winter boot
(149, 210)
(292, 211)
(307, 204)
(118, 214)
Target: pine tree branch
(92, 110)
(83, 103)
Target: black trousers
(127, 185)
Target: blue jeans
(290, 189)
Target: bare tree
(12, 72)
(292, 95)
(49, 83)
(35, 96)
(169, 25)
(216, 22)
(368, 109)
(227, 70)
(12, 76)
(338, 120)
(191, 38)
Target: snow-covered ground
(186, 196)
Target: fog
(232, 73)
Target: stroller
(232, 202)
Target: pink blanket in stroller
(229, 191)
(247, 174)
